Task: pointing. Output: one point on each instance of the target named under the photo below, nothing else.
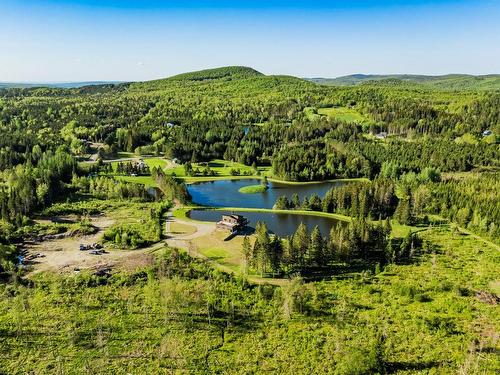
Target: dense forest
(418, 204)
(239, 114)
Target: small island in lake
(253, 189)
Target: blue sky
(78, 40)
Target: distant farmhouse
(232, 222)
(381, 135)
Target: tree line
(347, 243)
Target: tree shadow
(395, 367)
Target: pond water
(280, 224)
(224, 193)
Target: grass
(222, 169)
(150, 161)
(125, 155)
(156, 162)
(173, 317)
(400, 230)
(225, 253)
(182, 213)
(253, 189)
(311, 113)
(344, 114)
(181, 228)
(145, 180)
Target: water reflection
(224, 193)
(280, 224)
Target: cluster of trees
(376, 199)
(240, 115)
(439, 153)
(470, 200)
(309, 203)
(129, 168)
(29, 186)
(100, 167)
(205, 171)
(133, 236)
(7, 257)
(125, 236)
(303, 251)
(108, 188)
(409, 110)
(171, 188)
(394, 194)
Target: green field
(222, 169)
(156, 162)
(344, 114)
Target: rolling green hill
(231, 72)
(445, 82)
(237, 80)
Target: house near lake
(232, 222)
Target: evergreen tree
(316, 255)
(300, 243)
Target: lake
(224, 193)
(280, 224)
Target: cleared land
(222, 170)
(178, 228)
(210, 244)
(344, 114)
(63, 255)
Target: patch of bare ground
(63, 255)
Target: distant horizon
(132, 40)
(100, 81)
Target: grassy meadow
(183, 316)
(344, 114)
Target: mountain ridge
(229, 73)
(446, 81)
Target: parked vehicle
(94, 246)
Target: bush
(126, 236)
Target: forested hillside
(445, 82)
(239, 114)
(406, 282)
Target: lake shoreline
(272, 211)
(195, 180)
